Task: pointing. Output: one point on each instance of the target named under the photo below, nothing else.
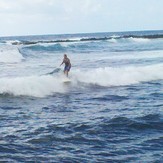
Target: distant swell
(156, 36)
(37, 47)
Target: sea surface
(111, 111)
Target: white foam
(112, 40)
(10, 42)
(10, 54)
(119, 76)
(141, 40)
(115, 36)
(41, 86)
(37, 86)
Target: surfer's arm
(62, 63)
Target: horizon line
(147, 30)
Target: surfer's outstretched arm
(61, 63)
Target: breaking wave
(10, 54)
(37, 86)
(41, 86)
(110, 76)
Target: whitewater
(112, 111)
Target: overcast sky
(33, 17)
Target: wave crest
(109, 76)
(10, 54)
(37, 86)
(48, 84)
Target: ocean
(111, 111)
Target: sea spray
(119, 76)
(10, 54)
(37, 86)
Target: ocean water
(112, 111)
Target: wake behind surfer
(67, 63)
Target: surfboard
(66, 81)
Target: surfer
(67, 63)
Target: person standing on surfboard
(67, 63)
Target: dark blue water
(112, 111)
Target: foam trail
(120, 76)
(37, 86)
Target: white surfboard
(66, 80)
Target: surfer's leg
(66, 73)
(66, 70)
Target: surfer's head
(65, 55)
